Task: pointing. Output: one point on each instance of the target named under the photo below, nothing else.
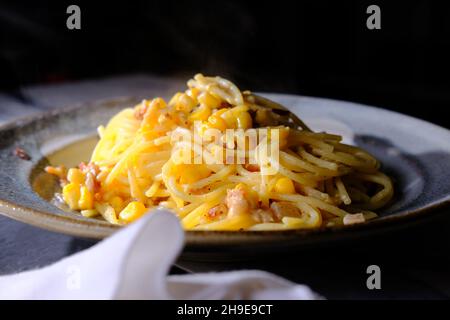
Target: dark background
(318, 48)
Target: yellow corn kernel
(71, 195)
(117, 203)
(244, 120)
(86, 199)
(209, 100)
(220, 112)
(217, 122)
(193, 93)
(190, 173)
(59, 171)
(230, 118)
(191, 176)
(284, 185)
(75, 175)
(283, 136)
(183, 102)
(202, 113)
(91, 213)
(132, 211)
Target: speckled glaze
(415, 153)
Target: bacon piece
(236, 202)
(217, 211)
(90, 167)
(92, 183)
(252, 167)
(22, 154)
(224, 104)
(353, 218)
(263, 215)
(284, 209)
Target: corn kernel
(182, 102)
(59, 171)
(117, 203)
(200, 114)
(209, 100)
(193, 93)
(283, 136)
(220, 112)
(217, 122)
(86, 199)
(230, 118)
(71, 195)
(244, 121)
(190, 173)
(284, 185)
(75, 175)
(132, 211)
(250, 195)
(265, 118)
(185, 103)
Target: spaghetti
(144, 159)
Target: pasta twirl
(222, 159)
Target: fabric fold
(134, 264)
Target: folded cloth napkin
(134, 264)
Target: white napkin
(134, 263)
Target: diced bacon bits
(91, 182)
(353, 218)
(263, 216)
(224, 104)
(83, 166)
(217, 211)
(252, 167)
(22, 154)
(236, 202)
(90, 167)
(284, 209)
(98, 196)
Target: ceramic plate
(415, 153)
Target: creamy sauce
(71, 153)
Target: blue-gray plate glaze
(415, 153)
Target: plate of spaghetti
(235, 167)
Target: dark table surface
(414, 261)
